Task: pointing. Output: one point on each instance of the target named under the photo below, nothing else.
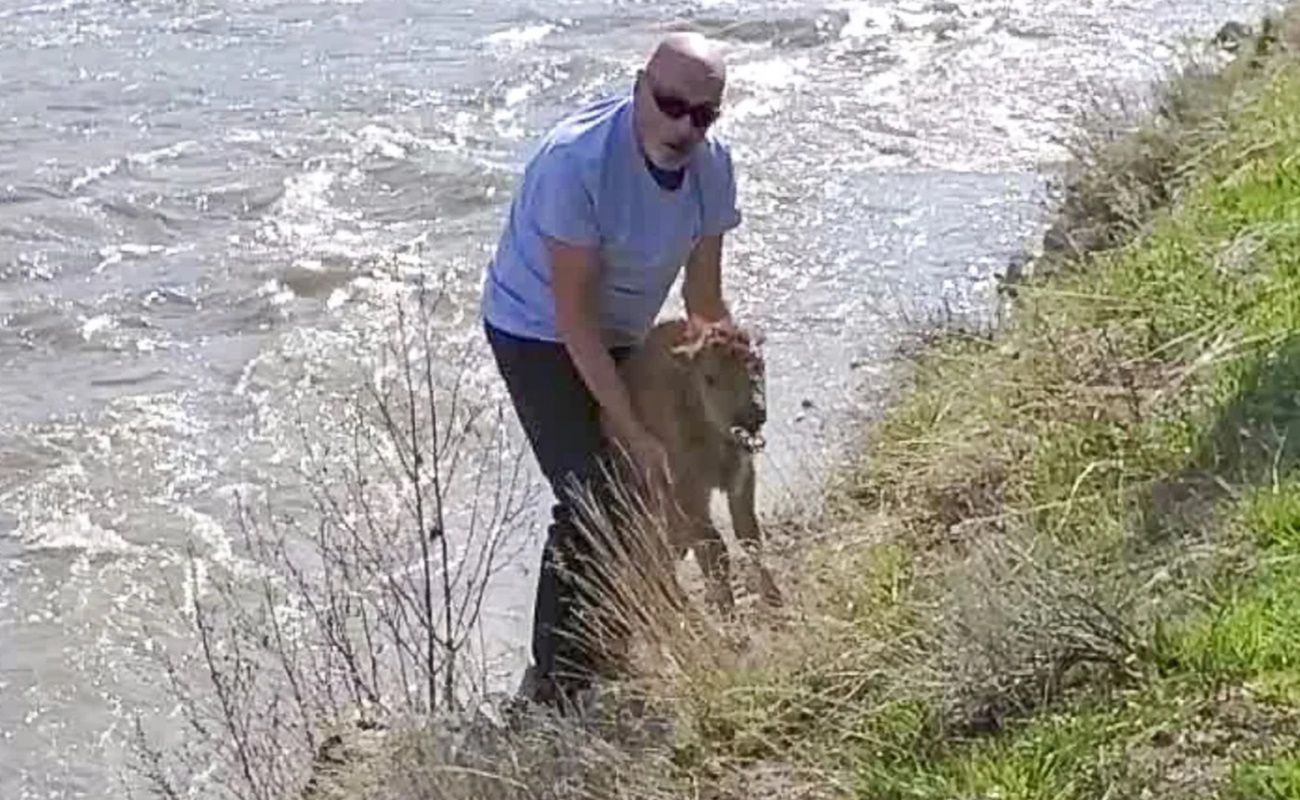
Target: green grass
(1088, 523)
(1274, 779)
(1248, 636)
(1251, 632)
(1057, 756)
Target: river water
(204, 201)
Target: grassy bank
(1067, 565)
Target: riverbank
(1064, 565)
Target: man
(617, 198)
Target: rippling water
(205, 203)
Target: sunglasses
(702, 115)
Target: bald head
(678, 95)
(689, 57)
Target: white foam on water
(163, 414)
(307, 195)
(71, 36)
(318, 216)
(75, 531)
(518, 94)
(96, 324)
(216, 550)
(38, 8)
(337, 299)
(149, 158)
(93, 174)
(276, 293)
(913, 20)
(210, 532)
(766, 81)
(246, 136)
(379, 140)
(305, 220)
(111, 255)
(772, 73)
(520, 36)
(154, 157)
(865, 19)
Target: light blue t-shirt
(588, 184)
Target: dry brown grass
(538, 757)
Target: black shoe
(566, 695)
(533, 688)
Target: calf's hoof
(719, 596)
(767, 591)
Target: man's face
(677, 109)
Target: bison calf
(702, 394)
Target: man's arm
(702, 289)
(574, 279)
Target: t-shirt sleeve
(560, 205)
(721, 213)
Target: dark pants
(562, 422)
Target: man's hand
(651, 460)
(695, 325)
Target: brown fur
(693, 420)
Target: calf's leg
(740, 499)
(709, 548)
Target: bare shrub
(1018, 621)
(359, 604)
(609, 744)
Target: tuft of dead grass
(1019, 625)
(534, 756)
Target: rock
(1072, 241)
(1231, 35)
(794, 32)
(943, 7)
(1017, 268)
(807, 404)
(1056, 239)
(943, 29)
(352, 742)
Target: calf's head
(727, 375)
